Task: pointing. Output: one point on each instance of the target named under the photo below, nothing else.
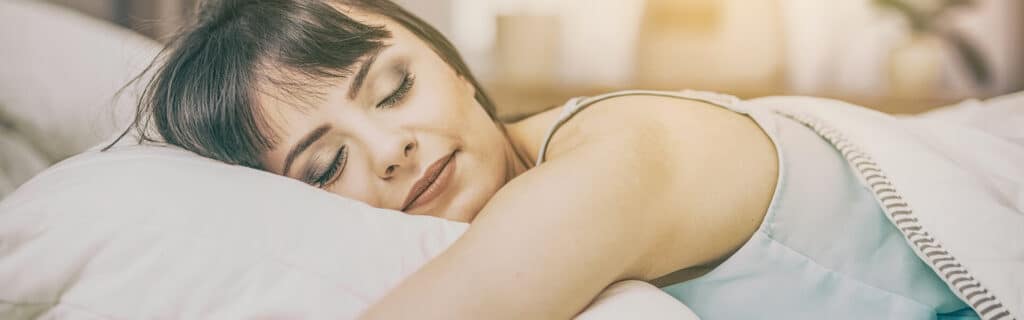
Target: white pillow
(143, 232)
(150, 232)
(59, 70)
(18, 160)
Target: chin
(472, 196)
(462, 216)
(460, 213)
(466, 211)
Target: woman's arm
(608, 209)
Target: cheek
(451, 111)
(456, 112)
(356, 184)
(451, 97)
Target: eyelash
(328, 178)
(408, 79)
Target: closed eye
(333, 171)
(396, 96)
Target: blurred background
(896, 55)
(899, 56)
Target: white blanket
(955, 190)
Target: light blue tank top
(824, 249)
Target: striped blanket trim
(902, 215)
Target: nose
(395, 157)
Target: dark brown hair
(202, 96)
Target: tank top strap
(575, 105)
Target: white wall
(596, 37)
(437, 12)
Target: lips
(433, 181)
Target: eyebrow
(364, 69)
(304, 144)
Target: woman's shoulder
(694, 159)
(637, 120)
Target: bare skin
(626, 194)
(634, 187)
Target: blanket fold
(956, 192)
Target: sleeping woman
(737, 214)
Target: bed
(153, 231)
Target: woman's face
(402, 132)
